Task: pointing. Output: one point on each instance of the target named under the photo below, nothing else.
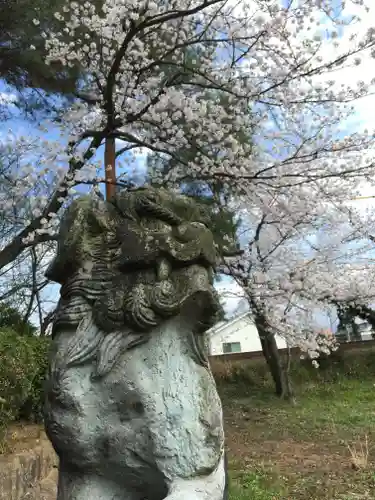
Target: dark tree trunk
(272, 357)
(288, 388)
(280, 375)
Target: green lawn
(279, 451)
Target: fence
(346, 346)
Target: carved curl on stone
(128, 265)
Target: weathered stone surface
(132, 408)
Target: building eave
(220, 326)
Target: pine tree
(22, 55)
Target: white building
(366, 331)
(237, 335)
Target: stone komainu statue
(131, 405)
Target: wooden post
(110, 168)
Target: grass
(253, 485)
(322, 448)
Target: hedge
(342, 364)
(23, 364)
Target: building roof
(364, 327)
(223, 324)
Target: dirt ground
(320, 449)
(323, 448)
(21, 437)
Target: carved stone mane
(129, 265)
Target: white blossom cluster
(152, 65)
(300, 264)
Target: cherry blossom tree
(149, 66)
(299, 262)
(24, 187)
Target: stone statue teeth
(131, 404)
